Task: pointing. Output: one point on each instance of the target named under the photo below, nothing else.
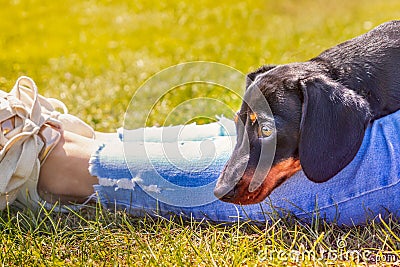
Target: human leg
(369, 183)
(130, 178)
(364, 189)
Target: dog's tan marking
(236, 119)
(253, 117)
(278, 173)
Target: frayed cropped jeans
(150, 171)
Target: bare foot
(64, 176)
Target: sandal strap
(31, 127)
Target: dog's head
(316, 123)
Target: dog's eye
(265, 131)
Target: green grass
(96, 237)
(93, 55)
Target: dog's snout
(224, 193)
(230, 195)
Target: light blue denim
(367, 187)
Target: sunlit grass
(96, 237)
(93, 55)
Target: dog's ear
(252, 76)
(334, 119)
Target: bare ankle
(64, 176)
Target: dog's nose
(224, 193)
(228, 196)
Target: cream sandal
(30, 128)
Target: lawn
(94, 55)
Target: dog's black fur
(321, 109)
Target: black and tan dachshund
(320, 109)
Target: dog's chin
(278, 174)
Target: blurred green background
(93, 55)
